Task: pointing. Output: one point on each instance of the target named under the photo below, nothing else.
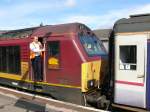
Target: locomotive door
(130, 57)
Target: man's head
(35, 39)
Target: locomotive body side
(8, 49)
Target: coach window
(10, 59)
(53, 54)
(128, 57)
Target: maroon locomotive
(73, 63)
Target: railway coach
(130, 61)
(76, 75)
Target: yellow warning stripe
(19, 77)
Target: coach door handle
(140, 76)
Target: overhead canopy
(136, 23)
(103, 34)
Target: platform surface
(24, 102)
(10, 104)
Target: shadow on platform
(30, 105)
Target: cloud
(70, 3)
(141, 9)
(32, 7)
(31, 13)
(107, 20)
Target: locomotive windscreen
(92, 45)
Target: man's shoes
(40, 80)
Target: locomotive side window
(53, 54)
(92, 45)
(10, 59)
(128, 57)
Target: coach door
(130, 57)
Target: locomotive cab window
(128, 57)
(10, 59)
(53, 54)
(92, 45)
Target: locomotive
(78, 75)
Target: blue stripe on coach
(148, 78)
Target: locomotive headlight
(91, 83)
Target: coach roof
(136, 23)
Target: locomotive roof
(59, 29)
(136, 23)
(2, 31)
(21, 33)
(43, 30)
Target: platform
(18, 101)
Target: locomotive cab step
(38, 88)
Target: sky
(96, 14)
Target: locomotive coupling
(98, 100)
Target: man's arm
(42, 48)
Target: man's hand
(43, 49)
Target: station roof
(103, 34)
(135, 23)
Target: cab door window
(53, 55)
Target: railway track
(50, 104)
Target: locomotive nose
(90, 75)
